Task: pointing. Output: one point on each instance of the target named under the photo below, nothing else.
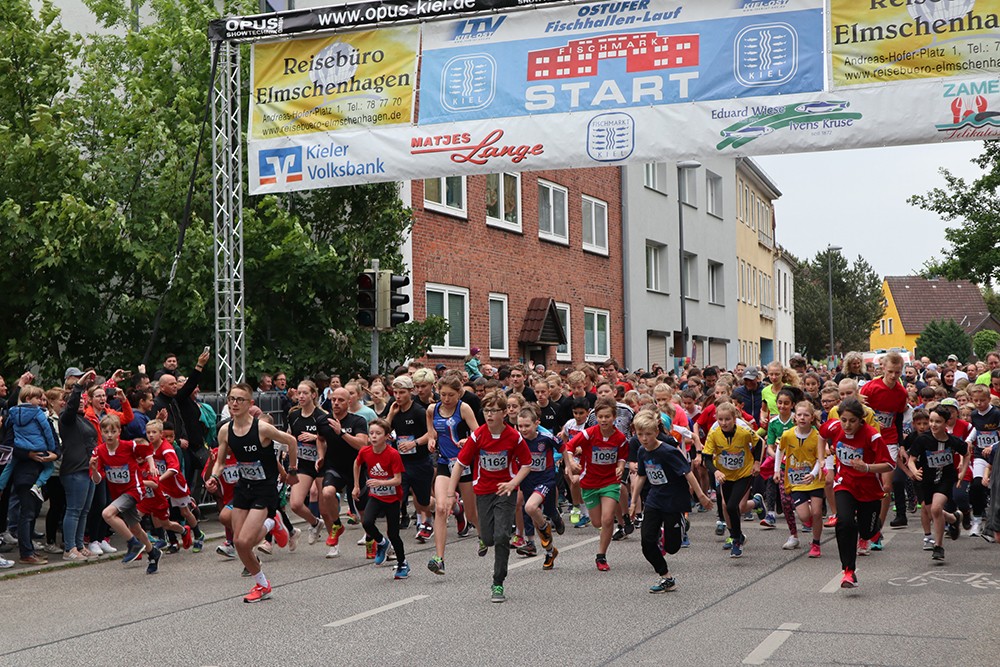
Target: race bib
(941, 459)
(308, 452)
(405, 440)
(230, 474)
(655, 474)
(161, 466)
(466, 470)
(846, 453)
(252, 471)
(118, 474)
(732, 460)
(604, 456)
(885, 419)
(539, 461)
(493, 461)
(987, 439)
(797, 476)
(147, 492)
(382, 491)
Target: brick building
(526, 267)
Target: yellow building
(912, 302)
(755, 253)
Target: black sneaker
(899, 522)
(967, 521)
(618, 535)
(937, 553)
(173, 548)
(955, 529)
(629, 526)
(404, 520)
(559, 524)
(154, 561)
(550, 559)
(527, 549)
(911, 505)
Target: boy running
(383, 467)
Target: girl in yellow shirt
(803, 453)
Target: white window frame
(654, 176)
(716, 287)
(502, 222)
(449, 350)
(659, 273)
(568, 354)
(689, 187)
(552, 236)
(597, 356)
(689, 264)
(499, 352)
(713, 194)
(595, 204)
(443, 207)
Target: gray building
(665, 259)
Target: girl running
(779, 424)
(309, 426)
(801, 458)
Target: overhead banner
(876, 41)
(603, 84)
(359, 79)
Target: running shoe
(876, 544)
(583, 522)
(559, 524)
(619, 534)
(550, 559)
(154, 561)
(516, 542)
(159, 543)
(352, 519)
(831, 521)
(72, 556)
(955, 529)
(186, 537)
(638, 520)
(425, 533)
(33, 559)
(685, 542)
(911, 505)
(402, 571)
(759, 510)
(5, 564)
(807, 527)
(791, 543)
(333, 552)
(293, 539)
(95, 548)
(404, 520)
(381, 549)
(264, 547)
(628, 525)
(665, 584)
(967, 521)
(850, 579)
(602, 564)
(483, 549)
(107, 548)
(134, 551)
(436, 565)
(461, 523)
(226, 549)
(720, 528)
(333, 539)
(728, 544)
(37, 491)
(574, 515)
(363, 540)
(768, 521)
(864, 547)
(737, 549)
(52, 549)
(545, 536)
(528, 549)
(928, 543)
(496, 594)
(814, 551)
(280, 533)
(899, 522)
(976, 528)
(315, 532)
(687, 524)
(370, 549)
(199, 541)
(937, 553)
(258, 593)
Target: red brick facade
(465, 252)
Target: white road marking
(529, 561)
(771, 644)
(373, 612)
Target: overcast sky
(857, 200)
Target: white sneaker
(95, 548)
(334, 552)
(315, 532)
(791, 543)
(7, 538)
(293, 539)
(928, 543)
(37, 490)
(264, 547)
(227, 550)
(977, 525)
(4, 563)
(107, 548)
(52, 549)
(362, 541)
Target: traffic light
(367, 298)
(389, 299)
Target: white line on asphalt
(372, 612)
(529, 561)
(771, 644)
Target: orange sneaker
(370, 549)
(258, 593)
(280, 533)
(335, 533)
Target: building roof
(919, 301)
(541, 323)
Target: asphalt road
(770, 607)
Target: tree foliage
(93, 180)
(941, 338)
(857, 304)
(984, 342)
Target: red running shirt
(887, 404)
(121, 469)
(230, 474)
(384, 465)
(866, 444)
(165, 458)
(599, 456)
(496, 459)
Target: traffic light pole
(374, 356)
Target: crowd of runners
(510, 456)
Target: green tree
(941, 338)
(857, 304)
(984, 342)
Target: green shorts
(592, 497)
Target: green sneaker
(665, 584)
(728, 544)
(498, 595)
(436, 565)
(483, 549)
(574, 516)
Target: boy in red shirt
(500, 461)
(887, 397)
(173, 483)
(603, 452)
(383, 467)
(117, 461)
(224, 496)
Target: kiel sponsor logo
(610, 137)
(815, 117)
(643, 52)
(463, 149)
(477, 29)
(278, 166)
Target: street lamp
(830, 249)
(681, 167)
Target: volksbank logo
(473, 30)
(278, 166)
